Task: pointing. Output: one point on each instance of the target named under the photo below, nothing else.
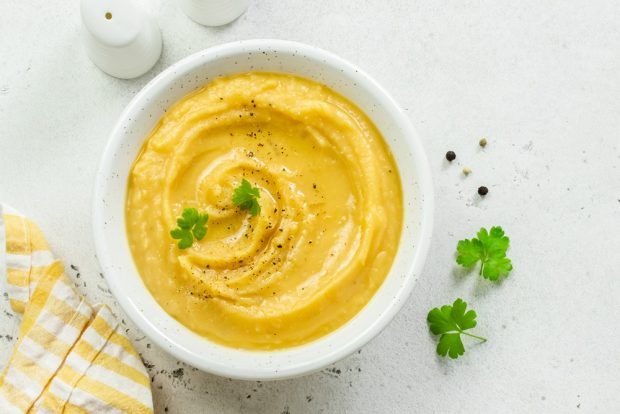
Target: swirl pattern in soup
(330, 221)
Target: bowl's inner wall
(139, 119)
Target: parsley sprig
(190, 225)
(246, 197)
(451, 321)
(490, 249)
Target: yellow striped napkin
(70, 356)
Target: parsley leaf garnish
(451, 322)
(246, 197)
(190, 225)
(490, 249)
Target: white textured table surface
(540, 79)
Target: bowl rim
(414, 268)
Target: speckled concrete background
(540, 79)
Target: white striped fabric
(3, 254)
(20, 381)
(36, 352)
(70, 356)
(18, 292)
(8, 407)
(36, 258)
(91, 403)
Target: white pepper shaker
(120, 36)
(213, 12)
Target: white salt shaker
(121, 36)
(213, 12)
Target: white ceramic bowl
(139, 118)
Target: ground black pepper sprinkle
(450, 156)
(482, 190)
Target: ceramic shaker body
(120, 36)
(213, 12)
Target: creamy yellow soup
(330, 220)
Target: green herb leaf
(190, 215)
(246, 197)
(186, 242)
(451, 321)
(177, 233)
(184, 224)
(490, 249)
(191, 224)
(199, 232)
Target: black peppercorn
(482, 190)
(450, 156)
